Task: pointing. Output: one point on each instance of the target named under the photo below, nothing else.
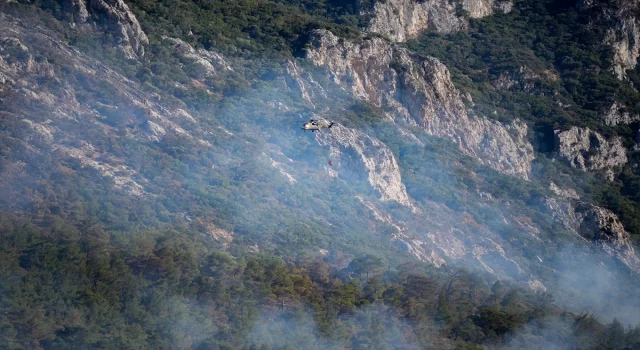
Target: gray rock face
(606, 229)
(131, 38)
(379, 162)
(484, 8)
(616, 115)
(209, 62)
(80, 12)
(625, 40)
(404, 19)
(440, 236)
(16, 61)
(598, 225)
(563, 211)
(302, 83)
(419, 91)
(523, 79)
(566, 193)
(588, 150)
(408, 88)
(623, 34)
(25, 75)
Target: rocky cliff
(623, 30)
(588, 150)
(49, 99)
(411, 91)
(208, 62)
(17, 63)
(603, 227)
(441, 236)
(303, 83)
(433, 233)
(617, 114)
(597, 225)
(418, 91)
(521, 79)
(381, 167)
(404, 19)
(117, 17)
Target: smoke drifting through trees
(176, 286)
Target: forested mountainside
(479, 188)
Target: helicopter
(314, 125)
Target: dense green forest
(85, 266)
(69, 284)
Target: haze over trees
(222, 252)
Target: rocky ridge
(141, 114)
(410, 89)
(625, 40)
(17, 62)
(441, 236)
(522, 79)
(303, 83)
(566, 193)
(419, 91)
(401, 20)
(604, 228)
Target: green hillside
(86, 265)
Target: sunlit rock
(404, 19)
(383, 172)
(586, 149)
(122, 22)
(419, 91)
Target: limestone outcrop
(380, 165)
(598, 225)
(404, 19)
(119, 19)
(588, 150)
(419, 91)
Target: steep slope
(122, 107)
(560, 86)
(411, 91)
(110, 132)
(379, 161)
(621, 20)
(177, 135)
(118, 19)
(420, 93)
